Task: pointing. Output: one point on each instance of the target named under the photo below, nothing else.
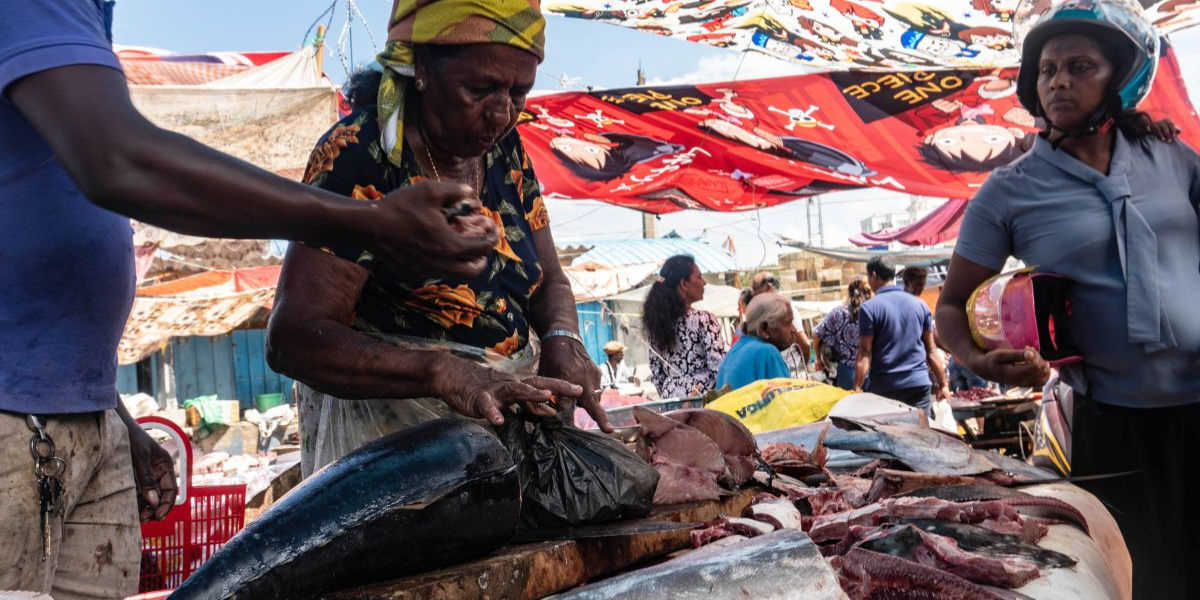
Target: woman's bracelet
(562, 333)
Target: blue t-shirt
(66, 265)
(898, 321)
(1128, 240)
(751, 359)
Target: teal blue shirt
(750, 360)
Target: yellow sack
(771, 404)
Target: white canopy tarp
(294, 71)
(591, 281)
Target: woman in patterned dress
(685, 344)
(839, 332)
(405, 347)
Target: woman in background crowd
(685, 344)
(839, 332)
(768, 331)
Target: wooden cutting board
(534, 571)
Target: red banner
(753, 144)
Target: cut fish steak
(867, 575)
(731, 436)
(995, 515)
(724, 527)
(688, 461)
(944, 553)
(961, 493)
(780, 513)
(806, 436)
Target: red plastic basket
(204, 518)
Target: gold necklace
(477, 179)
(430, 157)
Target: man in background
(914, 280)
(614, 373)
(896, 342)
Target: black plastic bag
(574, 477)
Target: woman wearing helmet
(1113, 210)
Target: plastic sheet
(331, 427)
(574, 477)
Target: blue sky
(597, 54)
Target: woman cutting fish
(1114, 211)
(347, 325)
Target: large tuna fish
(426, 497)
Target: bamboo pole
(319, 44)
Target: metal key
(50, 490)
(47, 467)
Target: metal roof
(619, 253)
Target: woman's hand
(420, 227)
(1022, 368)
(481, 392)
(1165, 130)
(566, 358)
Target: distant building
(918, 207)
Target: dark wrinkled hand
(483, 393)
(1021, 368)
(567, 359)
(424, 227)
(1165, 130)
(153, 475)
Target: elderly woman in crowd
(409, 348)
(685, 344)
(836, 336)
(769, 330)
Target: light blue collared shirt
(1130, 241)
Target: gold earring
(420, 85)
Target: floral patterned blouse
(841, 333)
(690, 369)
(486, 312)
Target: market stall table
(536, 570)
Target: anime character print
(979, 140)
(990, 38)
(1002, 10)
(801, 118)
(926, 19)
(867, 23)
(792, 148)
(608, 156)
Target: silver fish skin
(782, 565)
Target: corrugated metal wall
(232, 366)
(595, 328)
(252, 376)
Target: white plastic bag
(331, 428)
(943, 416)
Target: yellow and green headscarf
(518, 23)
